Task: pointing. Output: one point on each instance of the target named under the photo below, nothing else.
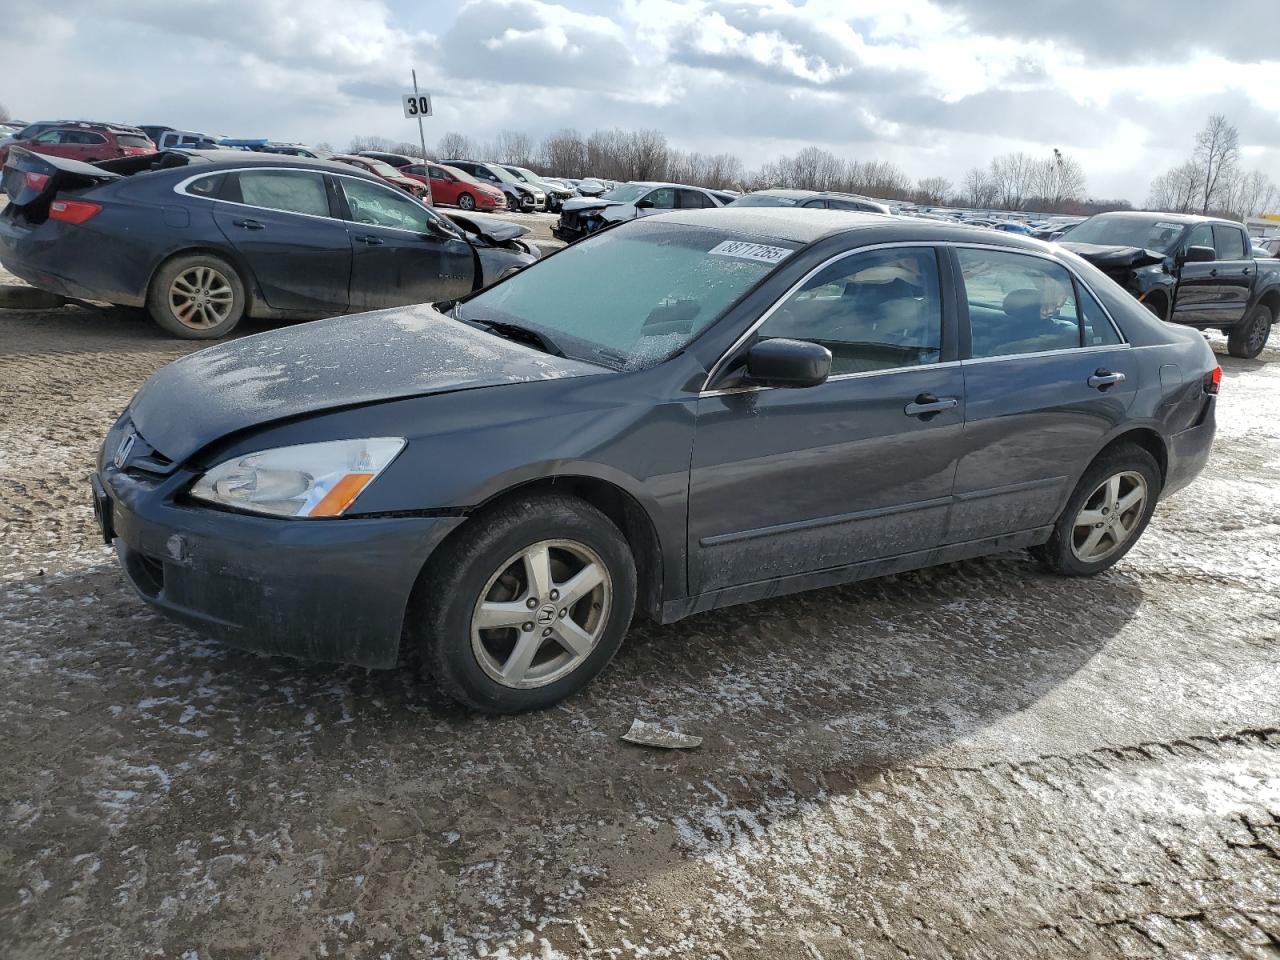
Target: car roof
(806, 226)
(227, 159)
(1170, 217)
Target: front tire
(197, 297)
(526, 605)
(1106, 515)
(1247, 340)
(466, 201)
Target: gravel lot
(976, 760)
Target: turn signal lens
(342, 495)
(1213, 380)
(73, 211)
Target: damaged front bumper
(334, 590)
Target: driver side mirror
(788, 363)
(1200, 255)
(645, 204)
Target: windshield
(630, 297)
(764, 200)
(1155, 234)
(626, 193)
(380, 167)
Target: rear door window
(294, 191)
(694, 200)
(1096, 329)
(1229, 242)
(1017, 303)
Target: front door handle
(927, 406)
(1213, 272)
(248, 224)
(1103, 378)
(1246, 271)
(371, 240)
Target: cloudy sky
(935, 85)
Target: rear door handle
(927, 405)
(371, 240)
(1246, 271)
(1103, 378)
(248, 224)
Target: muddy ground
(977, 760)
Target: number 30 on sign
(417, 104)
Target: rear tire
(197, 296)
(508, 568)
(1096, 529)
(466, 201)
(1247, 340)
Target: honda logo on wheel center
(546, 614)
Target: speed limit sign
(417, 104)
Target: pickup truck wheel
(1247, 340)
(1108, 512)
(197, 297)
(525, 605)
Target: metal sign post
(418, 106)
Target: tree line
(1211, 179)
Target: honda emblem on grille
(125, 448)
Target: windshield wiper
(514, 331)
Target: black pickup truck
(1200, 271)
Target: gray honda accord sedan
(693, 410)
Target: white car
(583, 215)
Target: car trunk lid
(32, 180)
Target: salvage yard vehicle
(384, 171)
(1200, 271)
(676, 414)
(203, 238)
(520, 195)
(85, 141)
(457, 187)
(584, 215)
(825, 200)
(556, 193)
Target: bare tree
(564, 153)
(1057, 180)
(1014, 174)
(1175, 190)
(512, 147)
(1254, 195)
(933, 190)
(455, 146)
(979, 188)
(1217, 153)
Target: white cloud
(935, 85)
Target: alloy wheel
(1110, 516)
(201, 298)
(1259, 333)
(541, 614)
(467, 202)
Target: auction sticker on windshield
(751, 251)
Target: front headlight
(307, 480)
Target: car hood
(1106, 257)
(492, 229)
(327, 365)
(579, 204)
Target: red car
(388, 173)
(89, 142)
(454, 186)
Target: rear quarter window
(130, 140)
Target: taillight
(37, 181)
(1213, 380)
(73, 211)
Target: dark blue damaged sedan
(689, 411)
